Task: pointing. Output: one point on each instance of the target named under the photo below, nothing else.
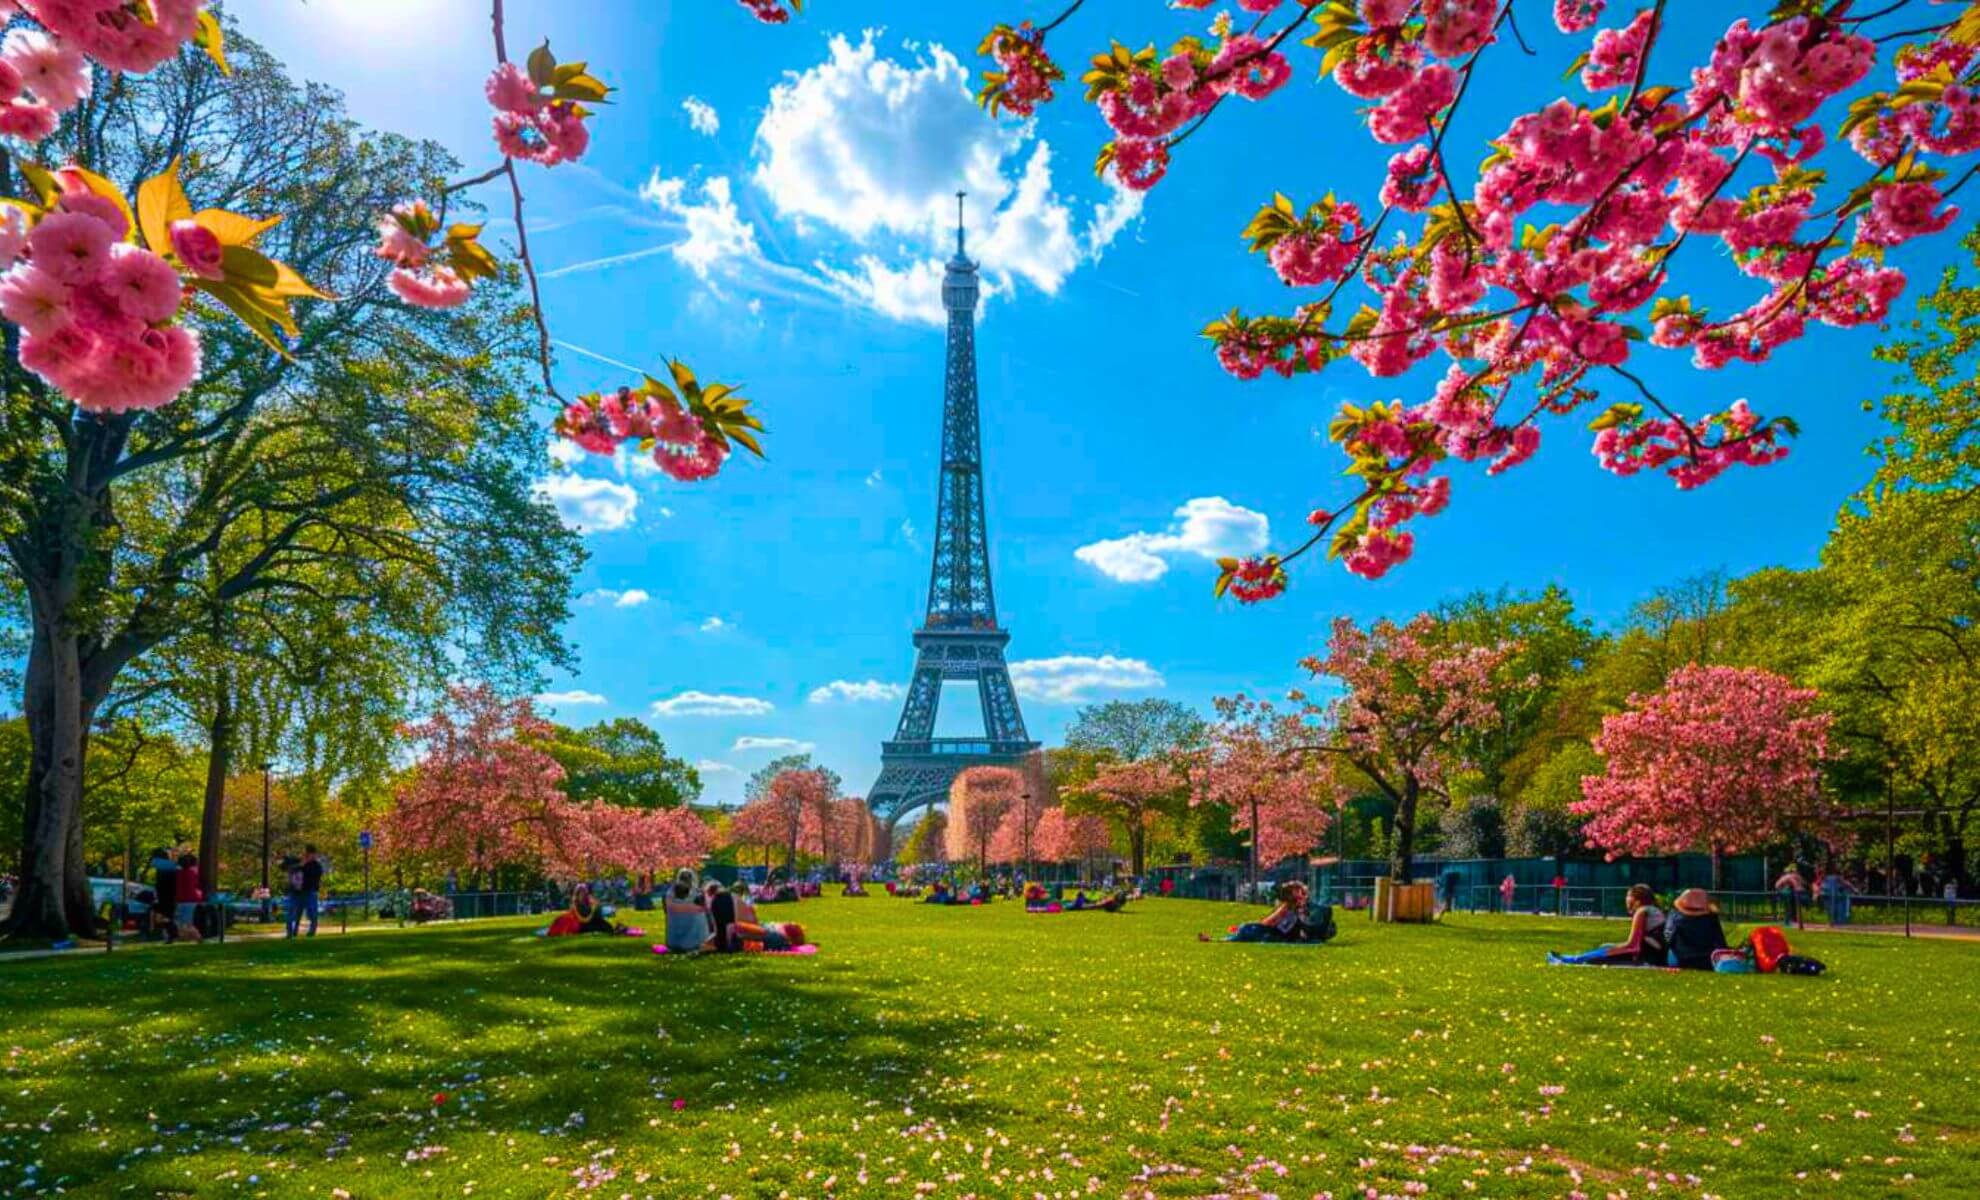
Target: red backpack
(1770, 946)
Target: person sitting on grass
(1285, 923)
(687, 918)
(939, 894)
(721, 905)
(1643, 946)
(1693, 931)
(587, 912)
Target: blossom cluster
(97, 308)
(772, 12)
(96, 311)
(1025, 73)
(122, 35)
(540, 109)
(424, 275)
(689, 433)
(1637, 175)
(1146, 99)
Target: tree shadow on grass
(518, 1034)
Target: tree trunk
(1400, 862)
(54, 900)
(1718, 866)
(219, 761)
(1137, 846)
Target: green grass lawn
(983, 1052)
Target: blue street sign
(364, 840)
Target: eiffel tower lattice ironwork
(960, 639)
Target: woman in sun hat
(1693, 931)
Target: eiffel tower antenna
(959, 638)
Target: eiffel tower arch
(960, 638)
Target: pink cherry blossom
(34, 299)
(511, 90)
(437, 287)
(145, 285)
(71, 246)
(55, 72)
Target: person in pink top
(187, 896)
(1506, 889)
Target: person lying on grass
(1285, 923)
(777, 936)
(1643, 947)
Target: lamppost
(1024, 824)
(265, 894)
(1890, 827)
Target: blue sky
(767, 203)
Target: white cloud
(590, 505)
(706, 704)
(715, 625)
(782, 745)
(848, 690)
(716, 232)
(861, 156)
(865, 144)
(1073, 678)
(567, 453)
(874, 480)
(566, 699)
(666, 512)
(907, 532)
(709, 766)
(1208, 526)
(630, 598)
(702, 116)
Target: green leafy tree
(623, 762)
(1131, 730)
(387, 438)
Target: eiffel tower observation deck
(960, 638)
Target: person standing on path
(305, 884)
(164, 892)
(1793, 891)
(1507, 887)
(187, 895)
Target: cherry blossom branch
(543, 353)
(1243, 60)
(1061, 19)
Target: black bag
(1799, 964)
(1319, 923)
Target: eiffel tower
(960, 638)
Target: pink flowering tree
(1015, 837)
(1134, 795)
(482, 793)
(1278, 797)
(846, 833)
(1542, 278)
(799, 802)
(1409, 697)
(1062, 837)
(1723, 759)
(979, 798)
(600, 837)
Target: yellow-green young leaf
(161, 200)
(289, 282)
(234, 229)
(207, 36)
(580, 87)
(1223, 584)
(542, 65)
(252, 312)
(111, 192)
(659, 390)
(747, 439)
(248, 267)
(1227, 565)
(42, 180)
(683, 378)
(714, 393)
(30, 213)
